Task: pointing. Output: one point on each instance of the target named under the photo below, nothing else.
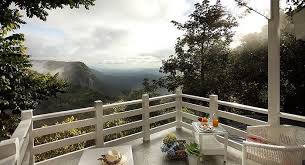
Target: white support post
(213, 106)
(99, 123)
(244, 155)
(274, 65)
(25, 115)
(178, 107)
(145, 117)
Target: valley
(87, 84)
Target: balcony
(178, 111)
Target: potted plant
(174, 149)
(193, 152)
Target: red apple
(203, 119)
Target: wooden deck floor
(150, 153)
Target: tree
(249, 70)
(292, 74)
(201, 54)
(20, 87)
(10, 9)
(148, 87)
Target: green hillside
(87, 85)
(74, 98)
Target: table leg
(193, 131)
(200, 142)
(226, 146)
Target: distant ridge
(76, 73)
(109, 82)
(88, 85)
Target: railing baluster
(145, 117)
(178, 107)
(213, 105)
(99, 123)
(25, 115)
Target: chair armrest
(273, 147)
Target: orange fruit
(215, 122)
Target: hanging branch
(244, 4)
(294, 6)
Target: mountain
(83, 90)
(109, 82)
(87, 84)
(120, 82)
(76, 73)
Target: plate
(206, 129)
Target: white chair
(281, 145)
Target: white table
(90, 156)
(208, 143)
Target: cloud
(116, 33)
(112, 33)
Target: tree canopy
(10, 9)
(238, 74)
(201, 53)
(21, 88)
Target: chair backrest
(280, 135)
(300, 135)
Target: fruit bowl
(207, 128)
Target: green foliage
(148, 87)
(249, 70)
(58, 136)
(24, 92)
(23, 89)
(192, 149)
(294, 6)
(8, 124)
(292, 74)
(10, 9)
(72, 98)
(118, 122)
(201, 54)
(239, 75)
(20, 87)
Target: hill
(83, 90)
(76, 73)
(87, 84)
(109, 82)
(120, 82)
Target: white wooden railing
(26, 134)
(18, 149)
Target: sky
(122, 34)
